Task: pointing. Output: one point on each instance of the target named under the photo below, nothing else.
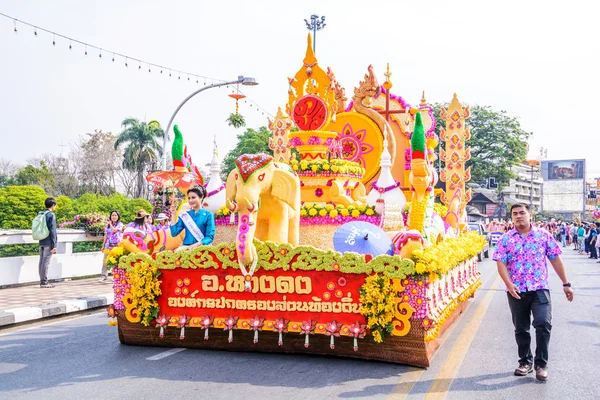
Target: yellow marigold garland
(113, 255)
(377, 303)
(447, 254)
(145, 289)
(274, 256)
(335, 166)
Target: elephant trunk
(245, 236)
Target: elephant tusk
(232, 206)
(250, 205)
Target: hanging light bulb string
(88, 46)
(199, 79)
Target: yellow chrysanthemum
(303, 213)
(355, 213)
(323, 212)
(312, 212)
(369, 211)
(333, 213)
(345, 212)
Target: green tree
(250, 142)
(497, 143)
(141, 148)
(30, 175)
(19, 205)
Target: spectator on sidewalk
(113, 234)
(525, 274)
(593, 242)
(48, 245)
(580, 238)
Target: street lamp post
(315, 25)
(246, 81)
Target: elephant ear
(231, 186)
(286, 187)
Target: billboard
(563, 169)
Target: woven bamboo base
(410, 349)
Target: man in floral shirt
(521, 259)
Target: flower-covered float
(273, 280)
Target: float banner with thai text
(296, 295)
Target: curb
(24, 314)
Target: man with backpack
(44, 229)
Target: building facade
(527, 187)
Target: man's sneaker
(524, 369)
(541, 374)
(46, 286)
(102, 279)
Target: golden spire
(423, 101)
(388, 83)
(309, 59)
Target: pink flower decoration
(163, 320)
(342, 281)
(319, 192)
(183, 321)
(230, 322)
(207, 321)
(314, 140)
(281, 325)
(357, 330)
(333, 328)
(256, 323)
(294, 142)
(308, 327)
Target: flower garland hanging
(357, 331)
(307, 328)
(207, 322)
(333, 330)
(229, 325)
(145, 289)
(281, 326)
(183, 321)
(215, 191)
(256, 325)
(384, 189)
(377, 299)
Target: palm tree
(141, 147)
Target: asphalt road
(82, 358)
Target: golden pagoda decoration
(455, 156)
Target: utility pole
(315, 25)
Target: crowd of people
(582, 236)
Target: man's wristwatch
(568, 284)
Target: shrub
(19, 205)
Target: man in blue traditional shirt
(198, 223)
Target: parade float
(337, 248)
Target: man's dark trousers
(539, 305)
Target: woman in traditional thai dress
(198, 223)
(113, 233)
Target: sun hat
(140, 214)
(161, 216)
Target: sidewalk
(27, 303)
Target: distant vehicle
(478, 227)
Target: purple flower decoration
(314, 140)
(319, 192)
(294, 142)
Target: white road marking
(164, 354)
